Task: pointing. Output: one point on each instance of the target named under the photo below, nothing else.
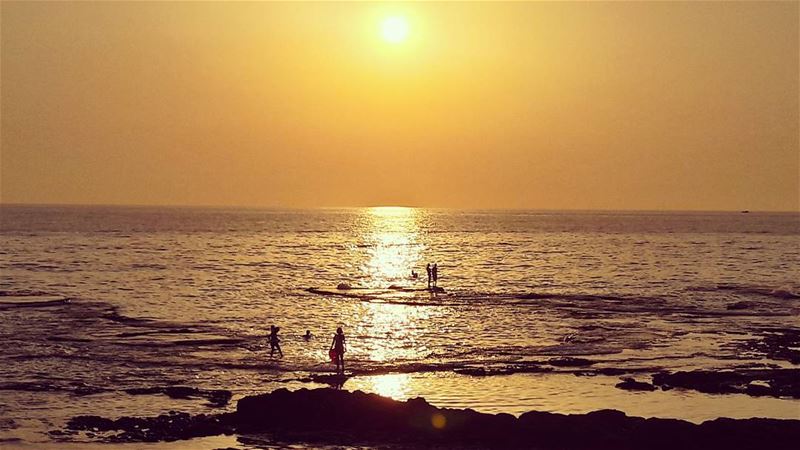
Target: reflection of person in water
(338, 346)
(274, 341)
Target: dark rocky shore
(329, 416)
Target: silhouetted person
(428, 269)
(414, 274)
(308, 335)
(274, 341)
(435, 273)
(339, 346)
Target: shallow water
(112, 298)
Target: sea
(97, 301)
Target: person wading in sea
(435, 272)
(338, 346)
(428, 269)
(274, 341)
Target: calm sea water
(161, 296)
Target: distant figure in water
(308, 335)
(435, 272)
(428, 269)
(338, 346)
(274, 341)
(414, 274)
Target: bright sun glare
(394, 29)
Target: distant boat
(746, 211)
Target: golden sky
(483, 105)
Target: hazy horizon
(526, 106)
(334, 207)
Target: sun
(394, 29)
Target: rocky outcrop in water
(756, 382)
(629, 384)
(335, 417)
(356, 417)
(166, 427)
(570, 362)
(777, 343)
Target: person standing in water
(274, 341)
(435, 272)
(338, 346)
(428, 269)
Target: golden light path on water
(392, 242)
(395, 385)
(392, 236)
(395, 328)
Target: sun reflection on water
(395, 386)
(391, 236)
(396, 330)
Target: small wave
(419, 296)
(148, 266)
(216, 397)
(150, 332)
(783, 292)
(256, 264)
(395, 287)
(155, 326)
(319, 291)
(22, 293)
(588, 297)
(30, 299)
(187, 342)
(115, 316)
(59, 338)
(29, 386)
(42, 267)
(76, 388)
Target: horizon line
(297, 208)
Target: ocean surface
(97, 300)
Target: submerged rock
(7, 424)
(629, 384)
(334, 380)
(570, 362)
(744, 304)
(84, 390)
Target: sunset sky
(481, 105)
